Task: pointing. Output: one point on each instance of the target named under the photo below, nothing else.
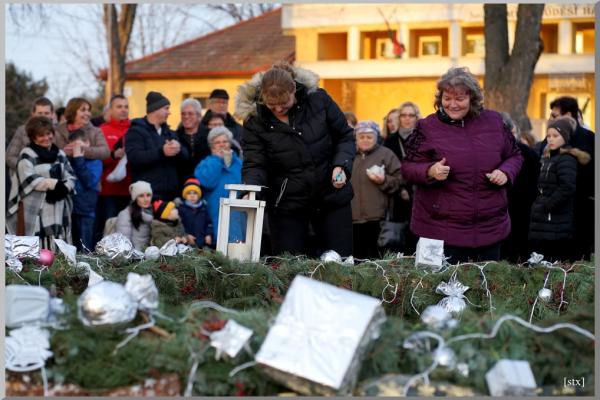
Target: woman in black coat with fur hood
(551, 227)
(297, 143)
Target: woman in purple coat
(461, 159)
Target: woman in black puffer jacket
(296, 141)
(551, 227)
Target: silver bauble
(445, 357)
(152, 253)
(545, 294)
(106, 304)
(435, 317)
(331, 256)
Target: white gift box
(231, 339)
(26, 305)
(319, 336)
(430, 253)
(511, 378)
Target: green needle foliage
(86, 356)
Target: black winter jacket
(230, 123)
(582, 139)
(197, 148)
(296, 161)
(552, 210)
(145, 157)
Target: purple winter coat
(466, 209)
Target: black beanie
(154, 101)
(219, 94)
(563, 126)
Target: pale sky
(45, 50)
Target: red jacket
(113, 132)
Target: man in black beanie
(218, 103)
(153, 151)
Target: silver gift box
(316, 344)
(511, 378)
(26, 305)
(21, 247)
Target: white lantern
(249, 249)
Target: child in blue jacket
(87, 187)
(194, 214)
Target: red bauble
(46, 257)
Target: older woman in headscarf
(44, 182)
(461, 159)
(222, 167)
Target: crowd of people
(464, 174)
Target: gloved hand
(59, 192)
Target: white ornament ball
(545, 294)
(152, 253)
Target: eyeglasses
(188, 114)
(408, 115)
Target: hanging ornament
(455, 290)
(545, 294)
(445, 357)
(152, 253)
(436, 317)
(46, 257)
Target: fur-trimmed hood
(246, 98)
(582, 157)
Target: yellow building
(349, 46)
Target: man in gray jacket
(42, 107)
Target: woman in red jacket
(461, 158)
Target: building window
(333, 46)
(429, 43)
(376, 44)
(549, 35)
(430, 46)
(473, 41)
(584, 37)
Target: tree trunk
(508, 77)
(118, 31)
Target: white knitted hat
(139, 187)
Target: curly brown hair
(37, 126)
(460, 77)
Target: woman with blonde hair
(297, 142)
(390, 124)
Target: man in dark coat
(153, 151)
(218, 102)
(192, 137)
(582, 139)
